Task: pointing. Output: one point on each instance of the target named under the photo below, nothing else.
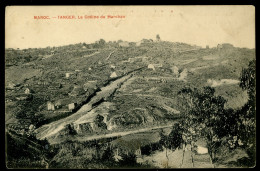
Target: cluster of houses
(88, 88)
(26, 95)
(52, 106)
(224, 46)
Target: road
(116, 134)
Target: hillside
(82, 90)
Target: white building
(124, 44)
(71, 106)
(67, 75)
(27, 91)
(31, 127)
(113, 75)
(151, 66)
(50, 106)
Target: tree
(108, 156)
(164, 141)
(99, 121)
(203, 115)
(173, 140)
(102, 43)
(247, 113)
(248, 80)
(175, 137)
(128, 161)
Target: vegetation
(205, 116)
(149, 98)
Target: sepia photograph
(119, 87)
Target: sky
(196, 25)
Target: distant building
(124, 44)
(71, 106)
(31, 127)
(138, 43)
(52, 52)
(27, 91)
(113, 75)
(67, 75)
(138, 152)
(151, 66)
(50, 106)
(219, 46)
(227, 45)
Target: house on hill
(28, 91)
(219, 46)
(227, 45)
(50, 106)
(53, 52)
(71, 106)
(138, 43)
(113, 75)
(151, 66)
(124, 44)
(67, 75)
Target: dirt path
(116, 134)
(110, 54)
(193, 160)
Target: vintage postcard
(130, 87)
